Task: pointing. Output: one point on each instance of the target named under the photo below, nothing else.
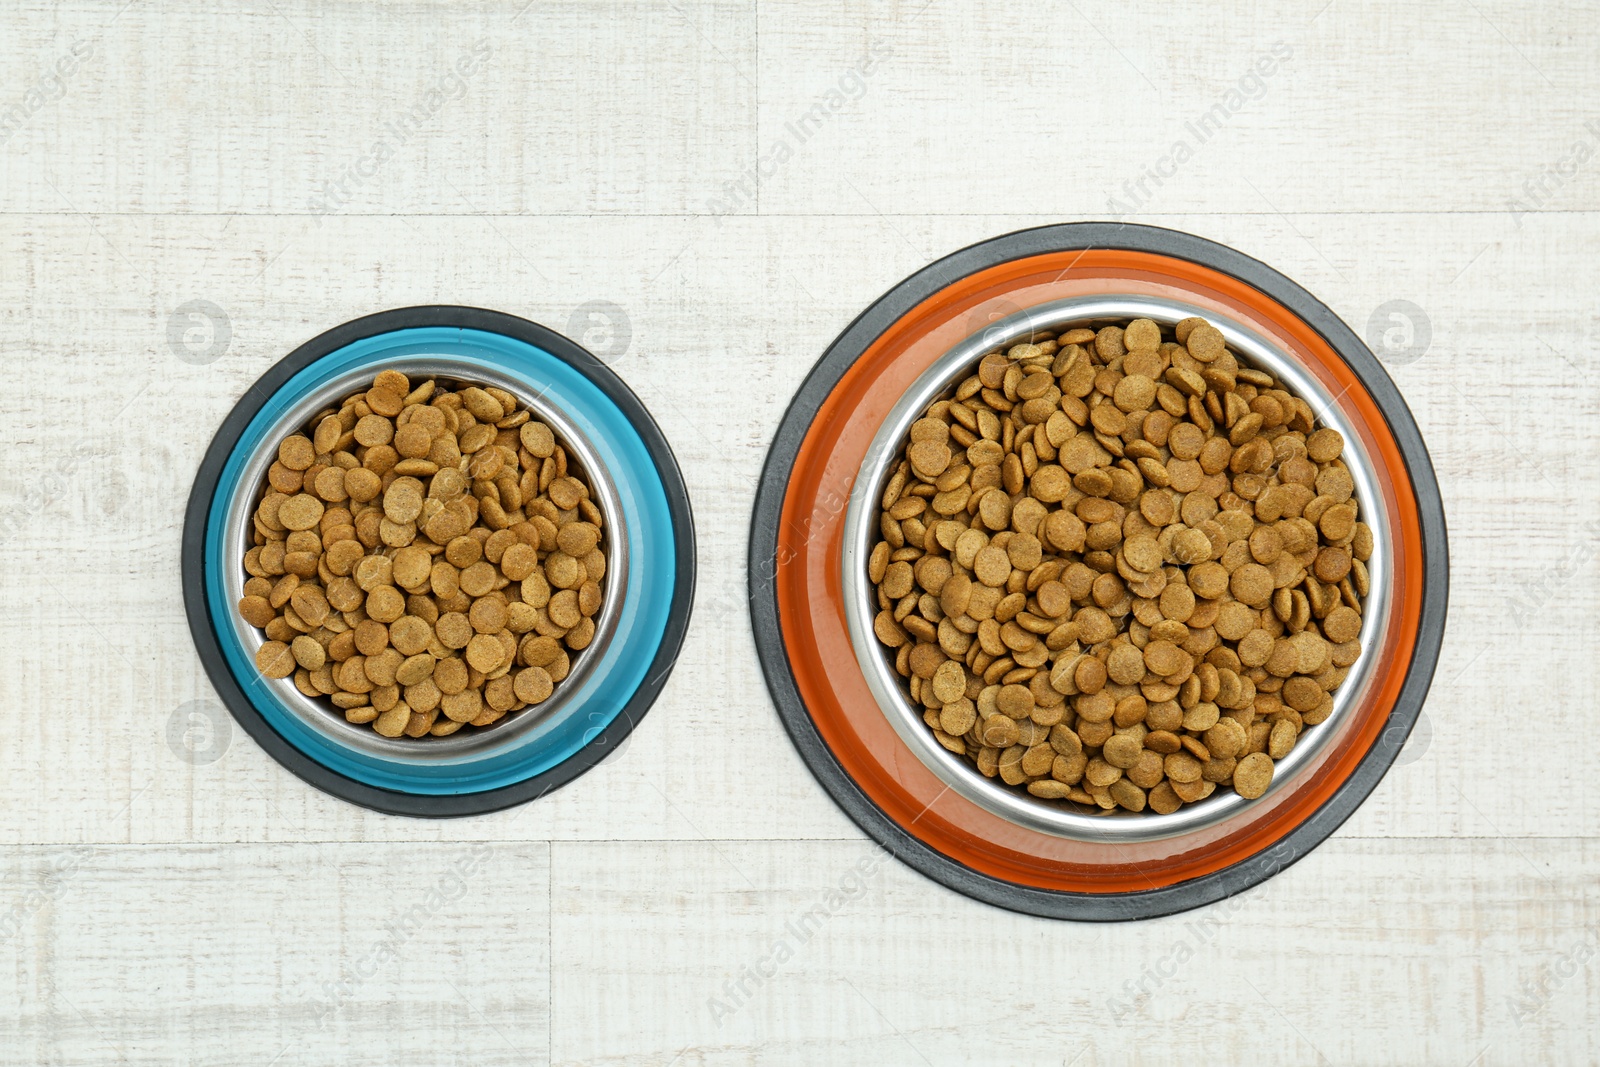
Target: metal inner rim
(860, 527)
(471, 741)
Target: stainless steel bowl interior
(469, 741)
(1061, 818)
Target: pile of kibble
(424, 559)
(1120, 569)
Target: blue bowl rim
(206, 485)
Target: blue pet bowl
(649, 585)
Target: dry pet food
(424, 559)
(1119, 569)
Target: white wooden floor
(175, 897)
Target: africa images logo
(846, 89)
(51, 85)
(334, 193)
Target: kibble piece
(1141, 334)
(300, 512)
(402, 501)
(385, 604)
(565, 572)
(329, 484)
(1122, 750)
(414, 670)
(1342, 624)
(488, 615)
(1253, 774)
(1182, 768)
(1191, 546)
(589, 597)
(308, 653)
(1125, 665)
(563, 609)
(1332, 564)
(1282, 738)
(1251, 584)
(454, 629)
(393, 722)
(1325, 445)
(565, 493)
(275, 660)
(958, 717)
(296, 452)
(992, 567)
(1000, 731)
(1163, 800)
(413, 440)
(1226, 739)
(538, 440)
(462, 706)
(484, 653)
(519, 561)
(929, 457)
(478, 579)
(450, 675)
(1127, 795)
(373, 430)
(1205, 343)
(410, 635)
(1127, 552)
(411, 568)
(949, 683)
(361, 484)
(256, 610)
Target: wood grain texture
(172, 896)
(779, 952)
(279, 954)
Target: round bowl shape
(648, 585)
(860, 534)
(317, 715)
(1000, 849)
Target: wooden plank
(284, 954)
(293, 109)
(745, 953)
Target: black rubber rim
(415, 804)
(825, 376)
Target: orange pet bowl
(934, 811)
